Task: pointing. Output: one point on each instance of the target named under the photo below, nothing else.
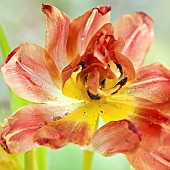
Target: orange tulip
(88, 69)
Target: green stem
(30, 163)
(41, 155)
(87, 160)
(88, 155)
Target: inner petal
(101, 63)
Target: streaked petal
(163, 107)
(142, 160)
(153, 124)
(84, 27)
(137, 31)
(116, 137)
(154, 127)
(152, 83)
(76, 128)
(57, 26)
(17, 134)
(26, 72)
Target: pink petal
(154, 127)
(84, 27)
(26, 72)
(142, 160)
(60, 133)
(137, 31)
(76, 128)
(152, 83)
(57, 26)
(17, 134)
(116, 137)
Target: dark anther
(120, 69)
(121, 83)
(92, 96)
(103, 83)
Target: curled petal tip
(147, 19)
(45, 8)
(11, 54)
(103, 9)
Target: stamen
(92, 96)
(115, 89)
(120, 69)
(121, 83)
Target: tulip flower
(91, 69)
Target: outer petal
(137, 30)
(154, 127)
(163, 107)
(142, 160)
(116, 137)
(84, 27)
(153, 124)
(76, 128)
(17, 134)
(26, 72)
(57, 25)
(152, 83)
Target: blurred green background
(23, 21)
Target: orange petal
(84, 27)
(57, 26)
(152, 83)
(154, 127)
(26, 72)
(116, 137)
(137, 31)
(142, 160)
(163, 107)
(76, 128)
(17, 134)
